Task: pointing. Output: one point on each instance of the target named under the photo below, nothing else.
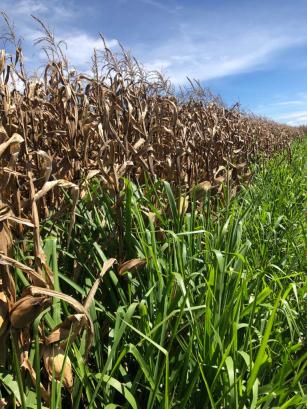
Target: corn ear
(57, 365)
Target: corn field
(64, 129)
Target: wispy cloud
(206, 50)
(80, 48)
(203, 44)
(294, 118)
(171, 7)
(286, 111)
(290, 103)
(78, 43)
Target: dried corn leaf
(26, 309)
(131, 265)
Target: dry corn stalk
(4, 313)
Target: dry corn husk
(26, 309)
(57, 365)
(204, 186)
(183, 204)
(5, 234)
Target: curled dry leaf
(69, 328)
(50, 185)
(131, 265)
(32, 290)
(28, 366)
(45, 163)
(92, 173)
(58, 365)
(5, 260)
(106, 266)
(26, 309)
(15, 138)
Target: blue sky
(254, 52)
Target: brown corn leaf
(26, 309)
(70, 327)
(15, 138)
(28, 366)
(32, 290)
(131, 265)
(5, 260)
(106, 266)
(203, 186)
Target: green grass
(216, 317)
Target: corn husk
(57, 365)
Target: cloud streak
(214, 45)
(286, 111)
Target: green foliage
(215, 319)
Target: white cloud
(78, 46)
(60, 20)
(81, 45)
(206, 43)
(29, 7)
(172, 8)
(298, 121)
(290, 103)
(206, 59)
(286, 110)
(294, 115)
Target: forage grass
(215, 317)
